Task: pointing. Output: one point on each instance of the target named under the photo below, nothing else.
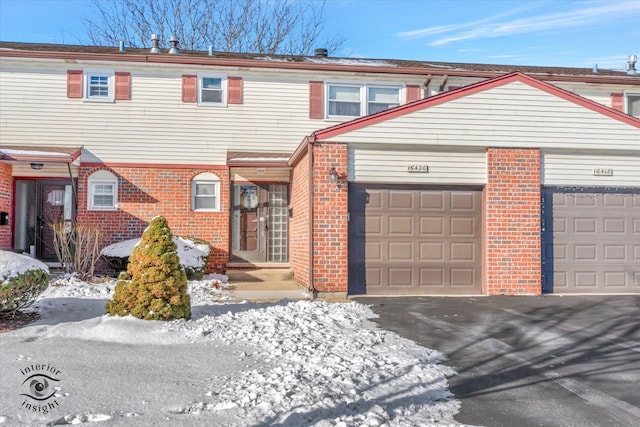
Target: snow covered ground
(233, 364)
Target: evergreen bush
(22, 280)
(154, 287)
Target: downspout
(310, 156)
(74, 190)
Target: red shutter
(74, 83)
(189, 88)
(123, 86)
(316, 100)
(413, 93)
(234, 90)
(617, 101)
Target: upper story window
(99, 85)
(205, 192)
(632, 104)
(212, 90)
(103, 191)
(355, 100)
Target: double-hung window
(356, 100)
(382, 98)
(205, 190)
(98, 85)
(632, 104)
(103, 191)
(212, 90)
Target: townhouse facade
(379, 177)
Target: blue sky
(534, 32)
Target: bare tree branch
(246, 26)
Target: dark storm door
(52, 198)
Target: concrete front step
(265, 285)
(259, 275)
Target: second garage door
(414, 240)
(591, 242)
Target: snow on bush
(22, 280)
(154, 287)
(193, 255)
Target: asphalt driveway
(531, 361)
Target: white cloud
(496, 26)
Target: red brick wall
(6, 191)
(330, 227)
(513, 242)
(145, 192)
(299, 221)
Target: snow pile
(326, 362)
(202, 292)
(191, 253)
(290, 364)
(13, 264)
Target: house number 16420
(418, 168)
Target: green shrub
(22, 290)
(154, 287)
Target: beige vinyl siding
(567, 169)
(513, 115)
(50, 170)
(155, 126)
(260, 174)
(373, 164)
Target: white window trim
(626, 102)
(86, 77)
(101, 177)
(223, 78)
(205, 178)
(364, 92)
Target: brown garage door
(591, 242)
(414, 240)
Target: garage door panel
(463, 201)
(431, 226)
(431, 278)
(463, 277)
(401, 277)
(401, 200)
(432, 251)
(614, 225)
(400, 225)
(417, 240)
(400, 251)
(463, 226)
(592, 244)
(462, 252)
(432, 201)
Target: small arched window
(205, 192)
(102, 191)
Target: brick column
(513, 242)
(330, 226)
(6, 197)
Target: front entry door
(38, 205)
(259, 223)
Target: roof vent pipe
(632, 64)
(154, 44)
(173, 42)
(121, 46)
(210, 50)
(322, 52)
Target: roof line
(442, 98)
(310, 66)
